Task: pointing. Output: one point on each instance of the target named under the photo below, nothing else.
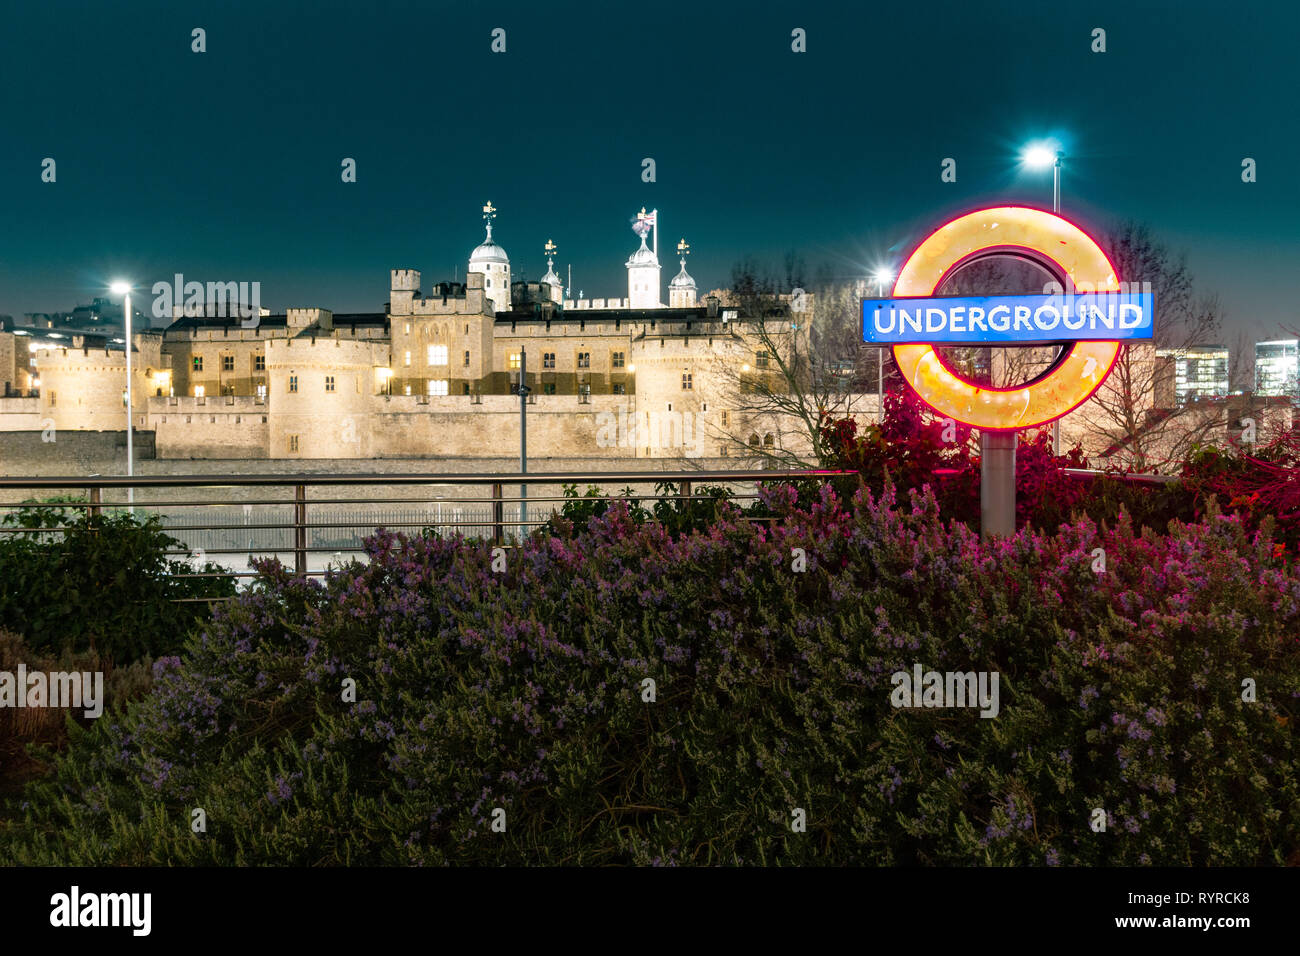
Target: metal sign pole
(997, 483)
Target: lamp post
(523, 441)
(1040, 157)
(881, 278)
(124, 289)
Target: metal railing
(294, 522)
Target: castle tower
(681, 291)
(551, 280)
(491, 261)
(643, 269)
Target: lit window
(437, 355)
(514, 360)
(329, 383)
(261, 391)
(408, 328)
(408, 390)
(198, 391)
(437, 386)
(407, 359)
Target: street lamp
(1041, 156)
(123, 288)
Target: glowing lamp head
(1039, 157)
(120, 287)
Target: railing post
(498, 513)
(96, 500)
(300, 529)
(685, 493)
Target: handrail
(404, 478)
(494, 524)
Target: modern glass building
(1199, 372)
(1277, 368)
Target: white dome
(489, 251)
(643, 257)
(682, 280)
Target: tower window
(514, 360)
(329, 383)
(437, 386)
(293, 383)
(293, 443)
(198, 363)
(548, 360)
(406, 359)
(617, 360)
(687, 385)
(227, 363)
(467, 361)
(437, 355)
(584, 360)
(259, 363)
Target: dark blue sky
(225, 165)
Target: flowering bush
(525, 691)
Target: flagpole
(655, 213)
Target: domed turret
(551, 280)
(491, 260)
(643, 269)
(681, 291)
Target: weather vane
(683, 250)
(643, 224)
(489, 213)
(550, 252)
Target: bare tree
(794, 359)
(1135, 418)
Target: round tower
(491, 261)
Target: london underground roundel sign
(1094, 315)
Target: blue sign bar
(1009, 319)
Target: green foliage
(523, 691)
(98, 582)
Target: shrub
(103, 583)
(27, 734)
(524, 691)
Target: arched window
(753, 440)
(768, 441)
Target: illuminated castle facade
(435, 375)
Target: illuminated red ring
(1073, 379)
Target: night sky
(226, 165)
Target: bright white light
(884, 277)
(1039, 157)
(120, 287)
